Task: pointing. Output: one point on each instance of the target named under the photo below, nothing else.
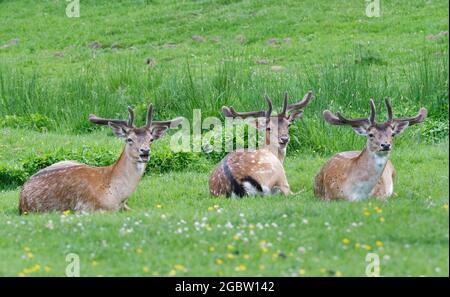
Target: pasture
(186, 55)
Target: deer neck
(280, 153)
(125, 176)
(369, 167)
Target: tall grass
(345, 86)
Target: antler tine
(389, 109)
(372, 112)
(299, 105)
(130, 116)
(285, 105)
(419, 118)
(270, 109)
(230, 112)
(339, 119)
(148, 123)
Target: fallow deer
(258, 171)
(69, 185)
(358, 175)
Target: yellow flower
(378, 209)
(66, 212)
(47, 268)
(338, 273)
(322, 270)
(241, 267)
(179, 267)
(251, 226)
(246, 256)
(367, 247)
(216, 206)
(302, 271)
(145, 269)
(172, 272)
(211, 249)
(379, 243)
(265, 250)
(21, 274)
(236, 237)
(139, 250)
(26, 249)
(30, 255)
(357, 245)
(208, 227)
(230, 247)
(366, 213)
(382, 220)
(219, 261)
(94, 263)
(230, 256)
(345, 241)
(158, 206)
(274, 256)
(262, 267)
(445, 206)
(210, 208)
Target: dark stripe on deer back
(236, 188)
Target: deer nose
(144, 151)
(284, 139)
(386, 146)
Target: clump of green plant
(34, 121)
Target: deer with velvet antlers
(258, 171)
(69, 185)
(358, 175)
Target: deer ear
(399, 127)
(360, 130)
(119, 130)
(295, 115)
(159, 131)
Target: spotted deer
(69, 185)
(358, 175)
(258, 171)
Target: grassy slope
(414, 234)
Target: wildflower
(179, 267)
(216, 206)
(366, 213)
(230, 247)
(211, 249)
(210, 208)
(230, 256)
(382, 220)
(357, 245)
(241, 267)
(302, 271)
(66, 212)
(173, 272)
(366, 247)
(378, 209)
(379, 243)
(345, 241)
(445, 206)
(262, 267)
(94, 263)
(158, 206)
(236, 237)
(251, 226)
(26, 249)
(338, 273)
(322, 270)
(219, 261)
(21, 274)
(47, 268)
(145, 269)
(30, 255)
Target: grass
(182, 230)
(51, 79)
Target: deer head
(276, 127)
(379, 135)
(138, 140)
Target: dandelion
(357, 245)
(66, 212)
(378, 209)
(345, 241)
(94, 263)
(158, 206)
(179, 267)
(251, 226)
(47, 268)
(172, 272)
(230, 256)
(445, 206)
(236, 237)
(145, 269)
(230, 247)
(26, 249)
(338, 273)
(302, 271)
(210, 208)
(379, 243)
(30, 255)
(219, 261)
(211, 249)
(366, 247)
(382, 220)
(241, 267)
(139, 250)
(366, 213)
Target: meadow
(186, 55)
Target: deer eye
(371, 135)
(129, 140)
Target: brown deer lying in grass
(69, 185)
(261, 171)
(357, 175)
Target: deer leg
(125, 207)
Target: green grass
(414, 233)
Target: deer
(250, 172)
(358, 175)
(70, 185)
